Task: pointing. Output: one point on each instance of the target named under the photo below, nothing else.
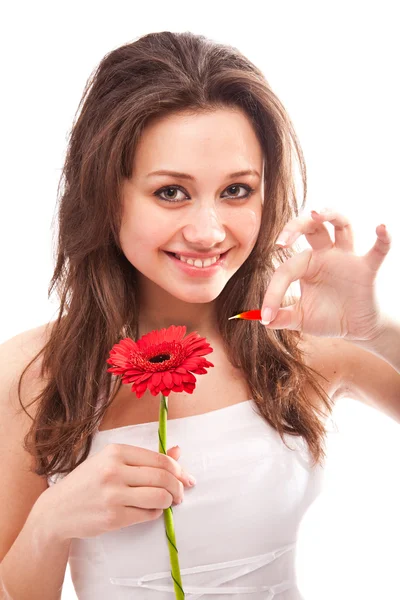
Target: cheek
(247, 226)
(139, 232)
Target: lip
(201, 256)
(196, 271)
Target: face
(202, 209)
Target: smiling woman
(178, 183)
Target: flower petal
(143, 377)
(167, 380)
(180, 370)
(141, 387)
(188, 377)
(156, 379)
(177, 378)
(189, 387)
(175, 333)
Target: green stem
(168, 515)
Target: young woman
(181, 151)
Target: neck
(158, 310)
(205, 328)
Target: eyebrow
(191, 178)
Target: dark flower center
(159, 358)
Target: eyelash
(158, 193)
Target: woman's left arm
(370, 371)
(386, 344)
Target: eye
(177, 188)
(236, 186)
(167, 189)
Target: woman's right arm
(32, 560)
(34, 567)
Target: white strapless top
(235, 530)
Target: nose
(205, 228)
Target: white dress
(235, 530)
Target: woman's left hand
(338, 295)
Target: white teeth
(198, 262)
(209, 261)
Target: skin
(212, 216)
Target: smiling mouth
(184, 262)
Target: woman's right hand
(119, 486)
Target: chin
(199, 298)
(191, 295)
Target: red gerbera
(161, 361)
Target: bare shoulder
(19, 485)
(15, 354)
(25, 345)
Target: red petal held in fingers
(250, 315)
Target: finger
(316, 233)
(289, 317)
(129, 515)
(135, 455)
(174, 452)
(380, 249)
(344, 237)
(147, 497)
(147, 477)
(291, 270)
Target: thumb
(288, 317)
(174, 452)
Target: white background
(334, 65)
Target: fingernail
(174, 447)
(266, 316)
(192, 480)
(283, 238)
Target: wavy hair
(158, 74)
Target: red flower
(161, 361)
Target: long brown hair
(158, 74)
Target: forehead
(223, 138)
